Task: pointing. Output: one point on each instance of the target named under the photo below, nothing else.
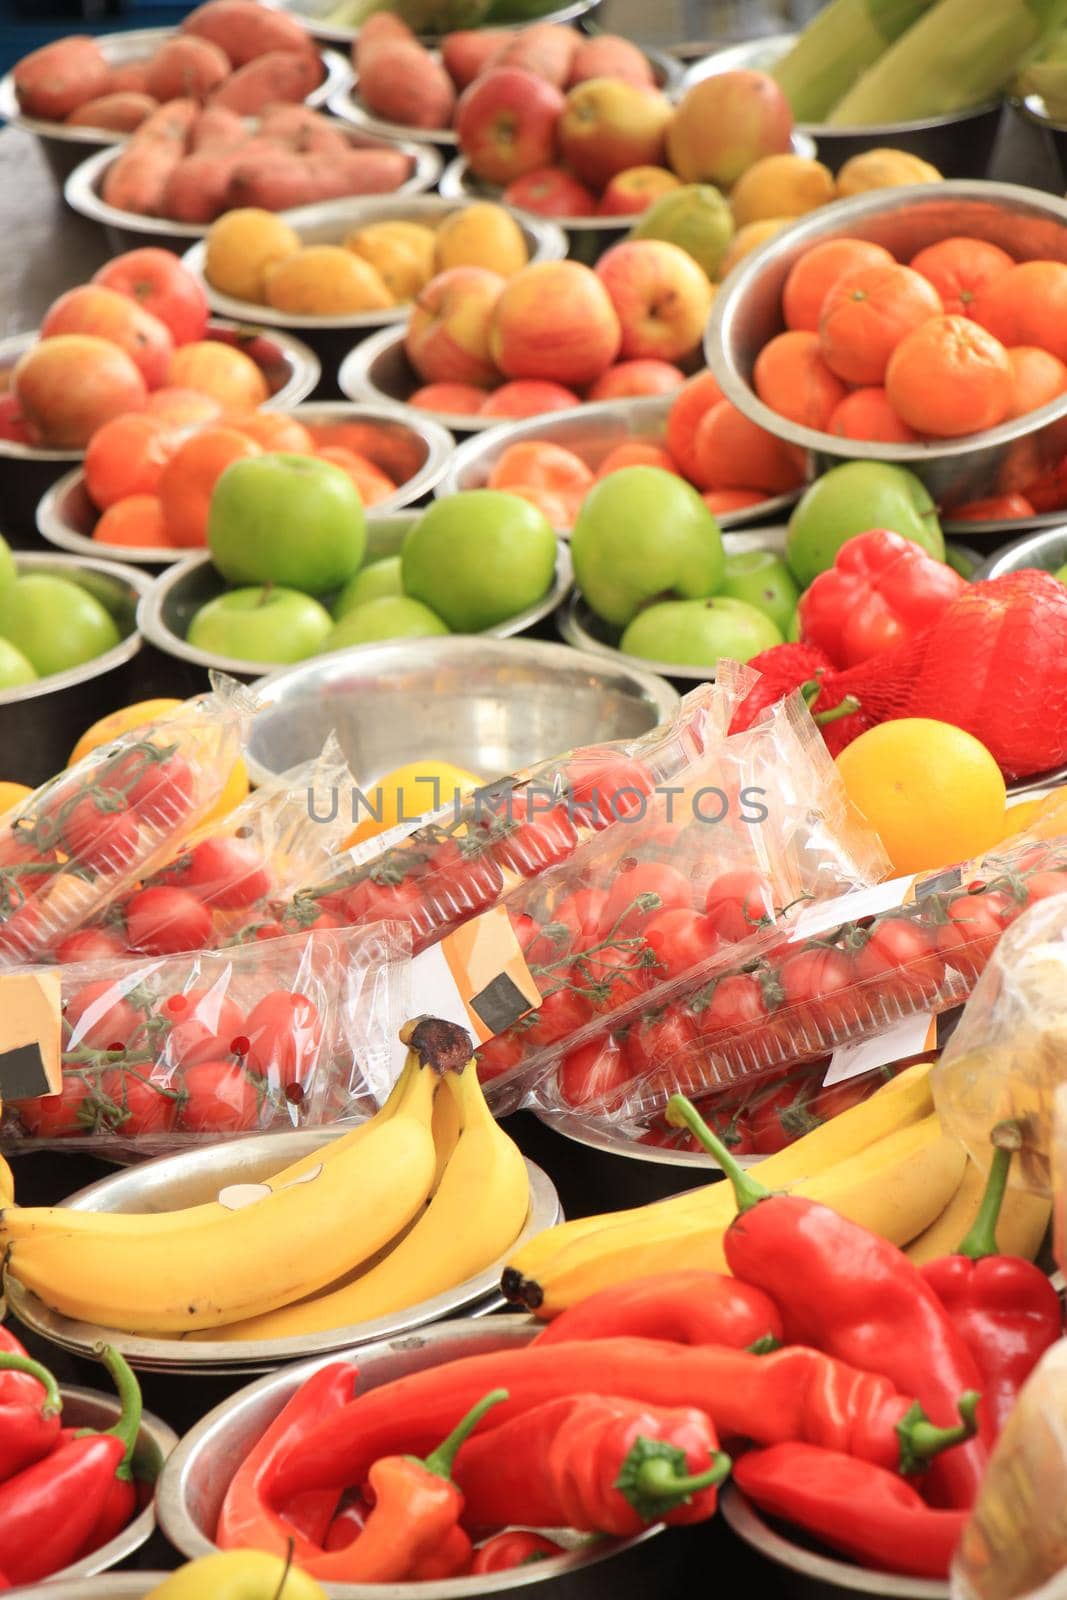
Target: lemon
(119, 722)
(932, 792)
(236, 789)
(12, 795)
(409, 792)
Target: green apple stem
(264, 597)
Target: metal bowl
(813, 1576)
(177, 594)
(1032, 109)
(311, 13)
(197, 1475)
(491, 706)
(126, 230)
(66, 516)
(747, 313)
(28, 471)
(40, 721)
(195, 1177)
(959, 145)
(1046, 550)
(347, 105)
(591, 431)
(119, 1586)
(621, 1171)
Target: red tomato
(466, 882)
(205, 1026)
(161, 790)
(637, 890)
(100, 836)
(780, 1117)
(269, 930)
(680, 940)
(562, 1012)
(573, 927)
(141, 1106)
(99, 1018)
(284, 1037)
(606, 787)
(220, 1097)
(17, 849)
(371, 901)
(90, 944)
(59, 1116)
(736, 1003)
(498, 1056)
(903, 951)
(526, 841)
(975, 923)
(738, 903)
(325, 919)
(166, 921)
(591, 1071)
(612, 977)
(1042, 885)
(662, 1051)
(818, 981)
(225, 872)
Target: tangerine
(135, 521)
(273, 430)
(734, 453)
(867, 313)
(960, 268)
(1027, 305)
(636, 454)
(189, 478)
(793, 379)
(949, 377)
(1038, 377)
(371, 481)
(127, 456)
(536, 463)
(818, 270)
(867, 414)
(690, 405)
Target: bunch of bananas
(885, 1164)
(417, 1200)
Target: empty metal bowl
(314, 13)
(747, 313)
(66, 516)
(959, 145)
(591, 432)
(491, 706)
(127, 230)
(1046, 550)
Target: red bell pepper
(1005, 1308)
(881, 590)
(30, 1405)
(785, 668)
(687, 1307)
(861, 1510)
(516, 1548)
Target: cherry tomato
(284, 1037)
(220, 1097)
(975, 923)
(59, 1116)
(498, 1056)
(663, 1052)
(101, 839)
(269, 930)
(17, 850)
(162, 791)
(572, 927)
(526, 840)
(637, 890)
(818, 982)
(466, 882)
(562, 1012)
(780, 1117)
(736, 1003)
(166, 921)
(612, 977)
(371, 901)
(206, 1026)
(900, 950)
(225, 872)
(325, 919)
(1042, 885)
(680, 940)
(606, 787)
(90, 944)
(591, 1071)
(99, 1018)
(840, 1097)
(739, 902)
(142, 1107)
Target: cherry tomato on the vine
(901, 952)
(166, 921)
(141, 1106)
(738, 903)
(591, 1071)
(284, 1034)
(220, 1097)
(99, 1018)
(226, 872)
(680, 940)
(90, 944)
(59, 1116)
(205, 1026)
(100, 836)
(636, 891)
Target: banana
(1021, 1226)
(286, 1244)
(476, 1213)
(898, 1186)
(7, 1183)
(447, 1124)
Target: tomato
(606, 787)
(680, 940)
(527, 840)
(901, 950)
(612, 977)
(739, 902)
(270, 930)
(466, 881)
(17, 849)
(220, 1097)
(1042, 885)
(637, 890)
(562, 1012)
(100, 1019)
(226, 872)
(161, 789)
(59, 1116)
(371, 901)
(498, 1055)
(141, 1106)
(975, 923)
(165, 921)
(524, 928)
(840, 1097)
(736, 1003)
(325, 919)
(818, 982)
(591, 1071)
(284, 1037)
(100, 836)
(573, 927)
(90, 944)
(663, 1051)
(205, 1026)
(780, 1117)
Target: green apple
(56, 624)
(390, 616)
(286, 519)
(852, 499)
(961, 561)
(696, 633)
(238, 1575)
(8, 570)
(1061, 573)
(15, 670)
(370, 583)
(261, 624)
(643, 532)
(792, 629)
(479, 557)
(762, 579)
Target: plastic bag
(214, 1044)
(88, 835)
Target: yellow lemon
(933, 793)
(237, 789)
(12, 795)
(409, 792)
(119, 722)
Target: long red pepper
(121, 1504)
(687, 1307)
(1005, 1308)
(845, 1290)
(515, 1548)
(30, 1406)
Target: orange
(793, 379)
(126, 456)
(867, 313)
(12, 795)
(137, 520)
(273, 430)
(636, 454)
(371, 481)
(867, 414)
(558, 506)
(818, 270)
(1027, 305)
(1037, 378)
(959, 268)
(189, 479)
(723, 500)
(538, 464)
(693, 400)
(183, 408)
(217, 369)
(949, 377)
(734, 453)
(999, 508)
(117, 723)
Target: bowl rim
(355, 382)
(813, 229)
(549, 243)
(1036, 541)
(339, 35)
(80, 191)
(337, 72)
(117, 656)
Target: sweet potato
(118, 113)
(280, 76)
(246, 30)
(403, 83)
(610, 56)
(197, 188)
(55, 80)
(380, 28)
(285, 179)
(128, 77)
(469, 51)
(216, 129)
(301, 129)
(187, 67)
(378, 171)
(172, 124)
(547, 49)
(137, 179)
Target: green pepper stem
(682, 1113)
(128, 1427)
(981, 1241)
(921, 1440)
(443, 1458)
(658, 1479)
(10, 1361)
(844, 708)
(764, 1346)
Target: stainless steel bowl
(1046, 550)
(197, 1475)
(119, 1586)
(959, 145)
(127, 230)
(491, 706)
(591, 432)
(313, 12)
(66, 516)
(175, 597)
(813, 1576)
(377, 370)
(195, 1177)
(1033, 110)
(747, 313)
(40, 721)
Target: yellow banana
(1021, 1226)
(287, 1243)
(447, 1124)
(7, 1184)
(475, 1215)
(898, 1186)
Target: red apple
(448, 332)
(551, 192)
(106, 314)
(70, 385)
(725, 123)
(608, 126)
(632, 379)
(461, 399)
(12, 422)
(506, 123)
(528, 397)
(161, 286)
(555, 320)
(635, 189)
(661, 297)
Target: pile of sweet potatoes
(233, 54)
(190, 163)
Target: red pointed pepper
(686, 1307)
(121, 1504)
(518, 1547)
(30, 1405)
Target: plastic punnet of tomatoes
(160, 1053)
(229, 871)
(87, 836)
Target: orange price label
(31, 1034)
